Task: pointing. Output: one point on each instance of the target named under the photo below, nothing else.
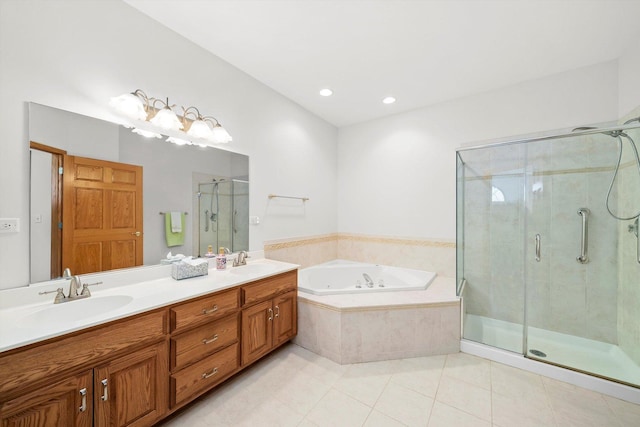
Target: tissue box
(183, 270)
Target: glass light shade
(146, 133)
(167, 119)
(220, 135)
(178, 141)
(129, 105)
(200, 129)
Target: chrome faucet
(74, 285)
(368, 279)
(241, 259)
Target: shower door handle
(584, 257)
(538, 247)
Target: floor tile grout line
(435, 397)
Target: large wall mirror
(112, 204)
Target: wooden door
(257, 331)
(132, 390)
(285, 322)
(102, 215)
(65, 403)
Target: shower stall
(548, 251)
(223, 215)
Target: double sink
(22, 323)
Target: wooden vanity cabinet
(137, 370)
(269, 315)
(112, 375)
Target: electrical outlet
(9, 225)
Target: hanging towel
(174, 239)
(176, 222)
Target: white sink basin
(253, 269)
(73, 311)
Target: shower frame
(461, 262)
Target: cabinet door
(257, 330)
(285, 322)
(133, 389)
(64, 403)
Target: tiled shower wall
(629, 289)
(424, 254)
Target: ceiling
(422, 52)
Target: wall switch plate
(9, 225)
(254, 220)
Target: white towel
(176, 222)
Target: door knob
(136, 233)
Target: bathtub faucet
(368, 279)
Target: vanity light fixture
(205, 130)
(389, 100)
(326, 92)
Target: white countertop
(26, 317)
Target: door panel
(285, 325)
(102, 215)
(58, 404)
(257, 331)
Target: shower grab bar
(538, 247)
(584, 257)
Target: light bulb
(129, 105)
(220, 135)
(167, 119)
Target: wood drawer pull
(210, 374)
(83, 393)
(105, 388)
(211, 310)
(210, 340)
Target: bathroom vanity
(132, 366)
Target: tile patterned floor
(294, 387)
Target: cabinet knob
(277, 311)
(270, 314)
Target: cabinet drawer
(270, 287)
(191, 346)
(204, 374)
(204, 309)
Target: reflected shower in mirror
(170, 177)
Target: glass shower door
(572, 257)
(491, 242)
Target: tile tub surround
(363, 328)
(435, 255)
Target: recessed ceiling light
(389, 100)
(326, 92)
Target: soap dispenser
(221, 259)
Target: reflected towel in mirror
(174, 238)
